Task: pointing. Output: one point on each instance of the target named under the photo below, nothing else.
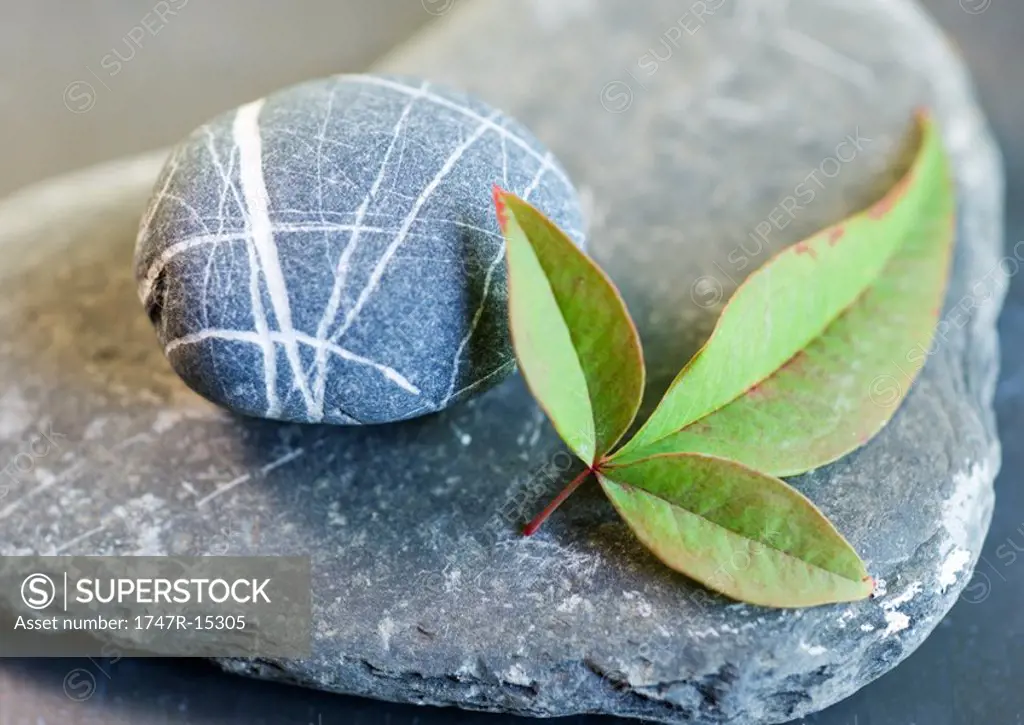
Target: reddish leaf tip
(500, 208)
(835, 235)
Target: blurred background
(91, 80)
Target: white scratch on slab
(78, 539)
(49, 482)
(234, 483)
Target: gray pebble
(330, 253)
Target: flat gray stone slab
(423, 590)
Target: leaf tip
(500, 207)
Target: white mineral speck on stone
(570, 604)
(814, 650)
(334, 515)
(880, 589)
(149, 542)
(385, 629)
(709, 632)
(165, 420)
(517, 675)
(952, 565)
(896, 622)
(845, 617)
(908, 594)
(452, 579)
(642, 607)
(958, 513)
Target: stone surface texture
(331, 253)
(423, 590)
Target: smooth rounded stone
(330, 253)
(424, 591)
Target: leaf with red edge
(575, 342)
(814, 352)
(742, 533)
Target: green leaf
(813, 353)
(576, 344)
(742, 533)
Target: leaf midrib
(575, 349)
(853, 303)
(906, 182)
(607, 473)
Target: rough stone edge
(977, 163)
